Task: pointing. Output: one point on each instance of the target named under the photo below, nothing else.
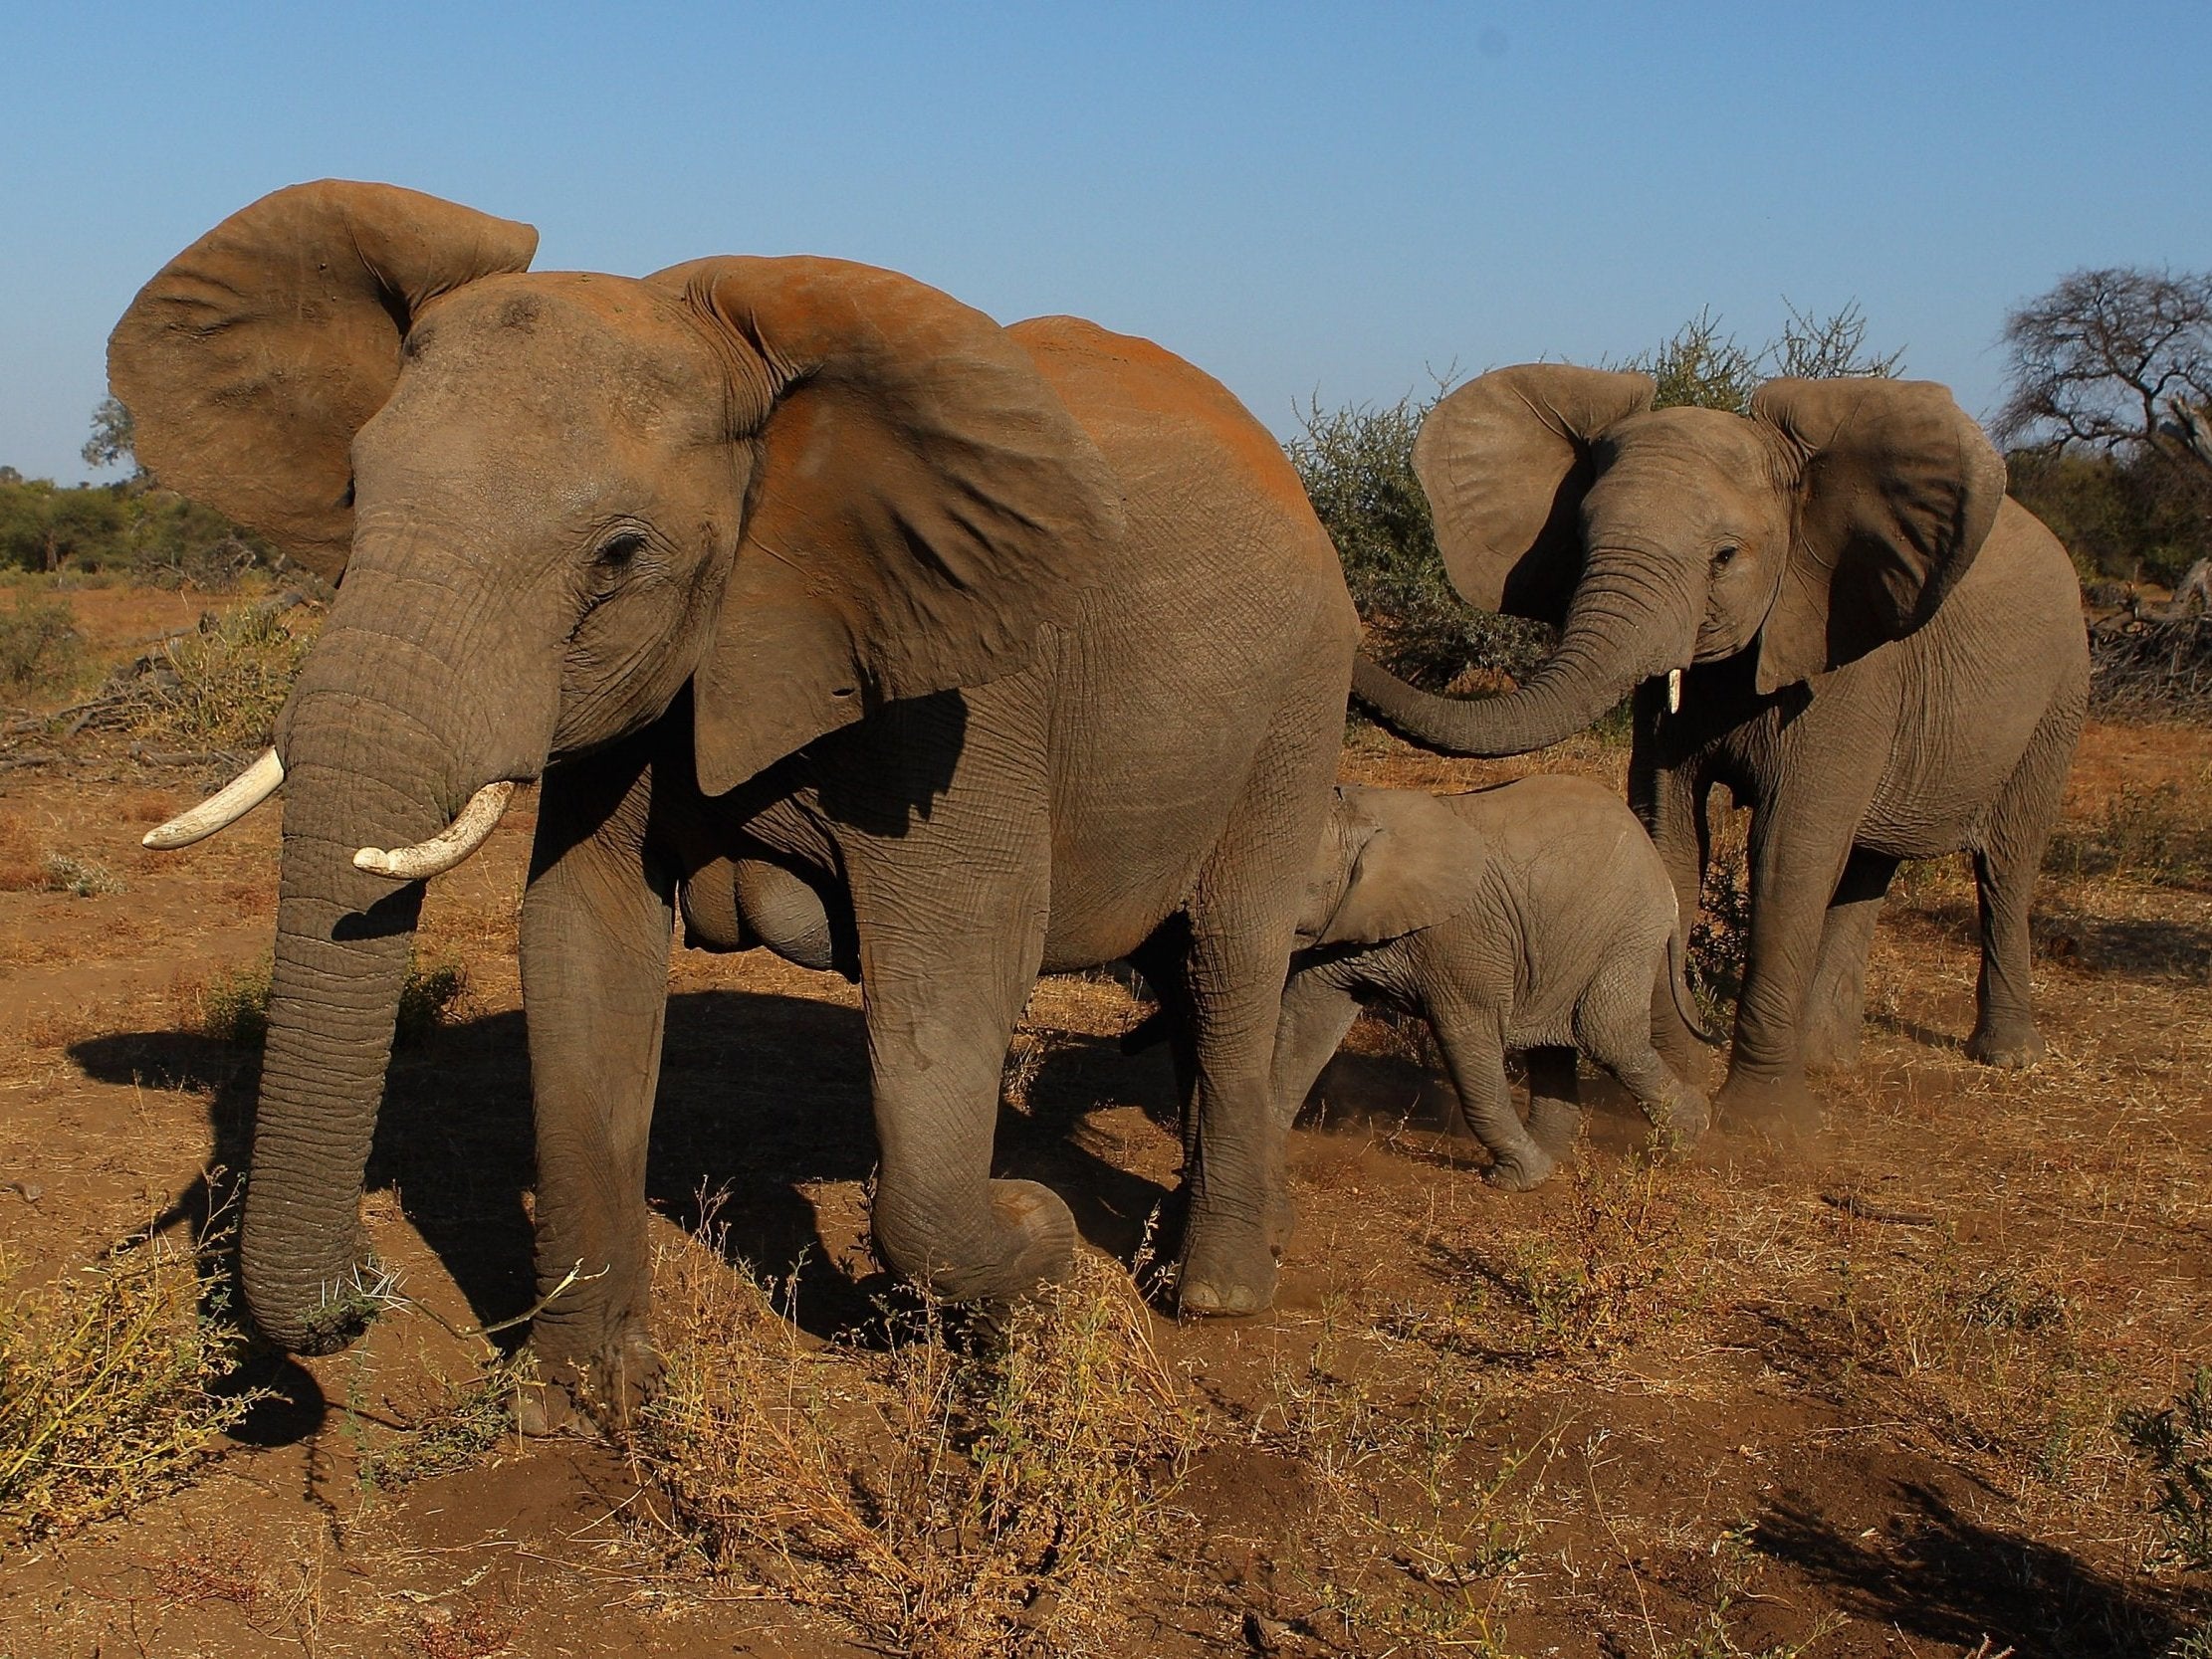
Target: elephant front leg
(944, 980)
(2005, 870)
(1797, 858)
(1473, 1042)
(595, 928)
(1554, 1100)
(1316, 1013)
(1671, 801)
(1836, 1006)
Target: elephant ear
(1410, 863)
(252, 359)
(922, 504)
(1897, 491)
(1504, 461)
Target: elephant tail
(1149, 1032)
(1677, 976)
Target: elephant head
(1829, 520)
(1391, 862)
(554, 500)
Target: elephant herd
(840, 620)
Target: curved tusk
(448, 847)
(222, 809)
(1673, 690)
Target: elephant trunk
(370, 757)
(1621, 627)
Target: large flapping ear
(922, 502)
(254, 356)
(1504, 461)
(1414, 862)
(1897, 491)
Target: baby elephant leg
(1613, 1025)
(1554, 1100)
(1473, 1044)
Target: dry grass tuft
(939, 1501)
(111, 1387)
(464, 1424)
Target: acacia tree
(2118, 359)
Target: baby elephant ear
(1412, 862)
(1897, 491)
(252, 359)
(922, 502)
(1504, 461)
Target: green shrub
(225, 684)
(1356, 464)
(233, 1006)
(40, 647)
(2175, 1446)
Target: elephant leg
(1671, 803)
(1800, 842)
(2005, 871)
(1244, 920)
(596, 919)
(1614, 1029)
(1554, 1100)
(1473, 1042)
(1316, 1013)
(1836, 1006)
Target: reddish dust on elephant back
(1871, 1401)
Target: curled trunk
(1619, 630)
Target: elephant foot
(1770, 1102)
(1831, 1049)
(1685, 1118)
(604, 1390)
(1519, 1169)
(1028, 1240)
(2009, 1048)
(1226, 1268)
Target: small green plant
(114, 1383)
(2175, 1444)
(40, 647)
(2146, 835)
(233, 1006)
(464, 1425)
(81, 877)
(1720, 938)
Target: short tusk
(1673, 690)
(222, 809)
(448, 847)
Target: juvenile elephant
(1018, 644)
(1830, 606)
(1528, 917)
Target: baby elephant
(1532, 916)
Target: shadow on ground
(1938, 1575)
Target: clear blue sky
(1303, 198)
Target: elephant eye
(1724, 555)
(618, 550)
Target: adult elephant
(1830, 606)
(1023, 639)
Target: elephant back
(1154, 416)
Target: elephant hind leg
(1612, 1025)
(2004, 869)
(1836, 1006)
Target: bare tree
(2118, 359)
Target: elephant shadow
(762, 1097)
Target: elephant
(1828, 604)
(1531, 916)
(1013, 649)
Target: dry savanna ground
(1867, 1393)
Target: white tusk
(222, 809)
(448, 847)
(1673, 690)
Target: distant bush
(2141, 515)
(40, 647)
(222, 687)
(137, 530)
